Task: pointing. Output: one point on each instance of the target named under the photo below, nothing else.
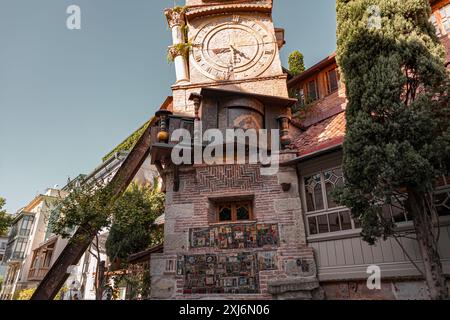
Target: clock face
(233, 48)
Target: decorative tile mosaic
(235, 236)
(235, 273)
(267, 260)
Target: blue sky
(67, 97)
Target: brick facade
(192, 207)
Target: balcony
(161, 133)
(41, 262)
(37, 274)
(13, 256)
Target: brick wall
(192, 207)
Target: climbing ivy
(129, 142)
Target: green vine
(185, 31)
(180, 9)
(303, 108)
(182, 49)
(129, 142)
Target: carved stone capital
(175, 17)
(175, 51)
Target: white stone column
(176, 20)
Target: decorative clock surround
(233, 47)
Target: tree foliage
(5, 218)
(129, 142)
(296, 63)
(133, 215)
(88, 206)
(398, 132)
(26, 294)
(398, 119)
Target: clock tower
(225, 44)
(231, 230)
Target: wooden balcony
(37, 274)
(161, 149)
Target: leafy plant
(181, 49)
(134, 214)
(5, 218)
(88, 206)
(398, 121)
(25, 294)
(129, 142)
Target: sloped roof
(322, 135)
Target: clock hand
(221, 50)
(240, 53)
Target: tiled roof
(322, 135)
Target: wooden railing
(37, 274)
(173, 123)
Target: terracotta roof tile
(324, 134)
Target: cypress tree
(296, 62)
(398, 134)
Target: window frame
(26, 225)
(307, 93)
(444, 13)
(328, 81)
(327, 211)
(234, 205)
(443, 189)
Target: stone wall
(192, 207)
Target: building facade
(233, 232)
(3, 244)
(32, 247)
(230, 230)
(27, 232)
(341, 255)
